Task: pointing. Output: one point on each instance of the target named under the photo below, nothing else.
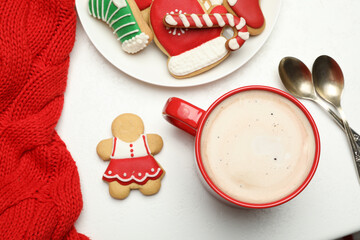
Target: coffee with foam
(257, 147)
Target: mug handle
(183, 115)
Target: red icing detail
(251, 11)
(131, 145)
(132, 155)
(113, 152)
(177, 44)
(131, 150)
(146, 146)
(143, 4)
(132, 167)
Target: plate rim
(187, 82)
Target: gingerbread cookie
(130, 151)
(125, 18)
(251, 11)
(190, 33)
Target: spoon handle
(354, 148)
(341, 124)
(338, 120)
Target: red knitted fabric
(40, 195)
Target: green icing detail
(123, 21)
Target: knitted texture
(40, 195)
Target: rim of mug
(253, 205)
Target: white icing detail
(139, 174)
(92, 8)
(207, 20)
(244, 35)
(133, 177)
(123, 16)
(97, 9)
(170, 20)
(230, 18)
(175, 31)
(199, 57)
(184, 20)
(152, 169)
(110, 172)
(232, 2)
(216, 2)
(120, 3)
(135, 44)
(219, 19)
(107, 10)
(124, 25)
(127, 34)
(241, 24)
(121, 149)
(207, 5)
(196, 20)
(233, 44)
(102, 10)
(111, 16)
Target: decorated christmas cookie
(130, 151)
(251, 11)
(125, 18)
(190, 33)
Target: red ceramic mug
(192, 120)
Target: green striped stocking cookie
(125, 18)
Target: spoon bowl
(328, 79)
(296, 77)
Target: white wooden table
(97, 92)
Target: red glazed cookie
(192, 48)
(130, 151)
(251, 11)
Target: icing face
(257, 147)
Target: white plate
(150, 65)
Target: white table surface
(97, 92)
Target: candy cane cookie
(251, 11)
(212, 21)
(125, 18)
(190, 51)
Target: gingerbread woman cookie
(251, 11)
(130, 151)
(125, 18)
(190, 33)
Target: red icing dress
(132, 163)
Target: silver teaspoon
(297, 79)
(329, 84)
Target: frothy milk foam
(257, 146)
